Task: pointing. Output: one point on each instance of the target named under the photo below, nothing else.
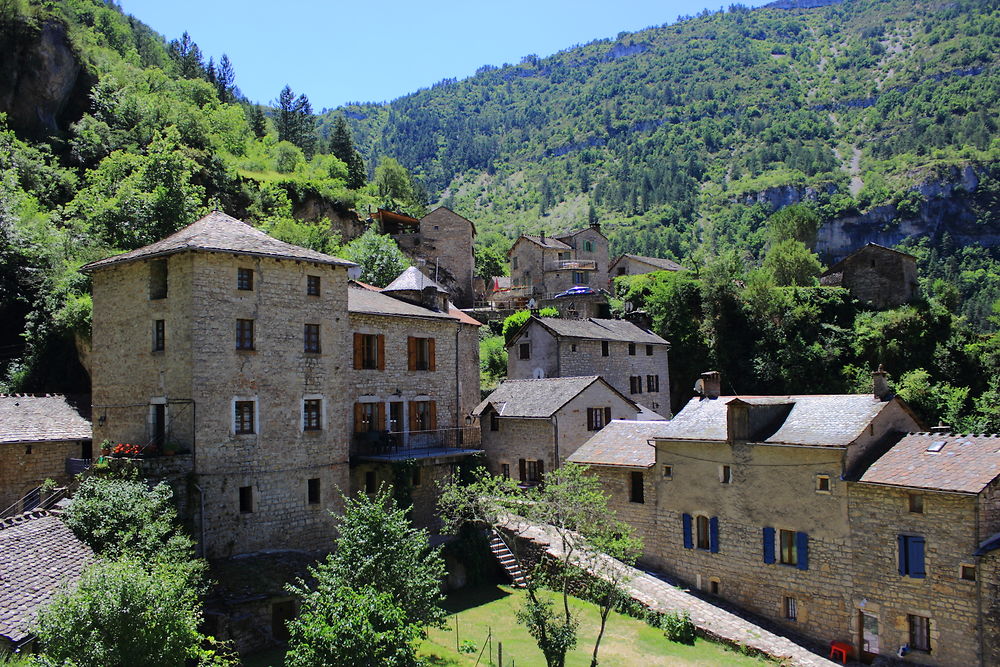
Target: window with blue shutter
(802, 547)
(769, 545)
(688, 538)
(911, 556)
(713, 534)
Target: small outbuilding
(881, 276)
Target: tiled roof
(621, 443)
(825, 420)
(647, 415)
(660, 262)
(412, 279)
(38, 553)
(868, 247)
(363, 300)
(218, 232)
(538, 398)
(597, 329)
(964, 463)
(29, 418)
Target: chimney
(880, 385)
(641, 319)
(541, 235)
(429, 298)
(596, 226)
(709, 385)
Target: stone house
(634, 265)
(530, 426)
(925, 526)
(41, 437)
(631, 359)
(881, 276)
(38, 556)
(440, 244)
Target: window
(513, 263)
(911, 556)
(396, 416)
(368, 417)
(246, 499)
(631, 349)
(822, 484)
(597, 418)
(421, 354)
(369, 351)
(920, 633)
(159, 335)
(244, 279)
(494, 421)
(789, 553)
(726, 474)
(244, 334)
(605, 348)
(158, 279)
(588, 246)
(649, 350)
(311, 339)
(524, 351)
(312, 490)
(668, 472)
(621, 270)
(312, 412)
(967, 572)
(791, 609)
(370, 482)
(793, 548)
(580, 278)
(652, 383)
(572, 347)
(244, 418)
(635, 384)
(505, 470)
(531, 470)
(916, 503)
(637, 491)
(423, 415)
(702, 531)
(312, 285)
(703, 536)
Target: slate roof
(218, 232)
(660, 262)
(365, 300)
(548, 242)
(965, 464)
(621, 443)
(824, 420)
(596, 329)
(412, 279)
(48, 418)
(538, 398)
(839, 266)
(38, 554)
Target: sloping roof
(49, 418)
(839, 266)
(38, 554)
(445, 208)
(621, 443)
(568, 233)
(539, 398)
(218, 232)
(396, 217)
(412, 279)
(548, 242)
(964, 464)
(659, 262)
(647, 415)
(824, 420)
(462, 317)
(364, 300)
(596, 329)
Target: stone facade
(634, 265)
(881, 276)
(545, 266)
(24, 466)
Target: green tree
(395, 187)
(295, 122)
(187, 55)
(797, 222)
(287, 156)
(342, 147)
(380, 258)
(490, 261)
(790, 262)
(492, 362)
(256, 120)
(513, 323)
(225, 80)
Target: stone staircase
(507, 561)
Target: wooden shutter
(411, 353)
(358, 417)
(607, 416)
(413, 415)
(358, 344)
(381, 352)
(522, 469)
(713, 534)
(688, 538)
(431, 361)
(769, 545)
(433, 415)
(541, 470)
(590, 419)
(381, 417)
(901, 541)
(802, 551)
(915, 557)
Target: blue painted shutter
(902, 555)
(769, 545)
(915, 557)
(688, 540)
(713, 534)
(802, 550)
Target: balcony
(389, 446)
(572, 265)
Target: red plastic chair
(840, 651)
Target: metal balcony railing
(572, 265)
(396, 443)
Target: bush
(678, 628)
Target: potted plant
(106, 448)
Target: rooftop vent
(937, 445)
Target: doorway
(869, 636)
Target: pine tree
(225, 81)
(255, 117)
(295, 121)
(188, 57)
(341, 146)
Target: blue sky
(337, 52)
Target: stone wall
(616, 482)
(883, 278)
(530, 439)
(421, 488)
(447, 238)
(571, 419)
(25, 465)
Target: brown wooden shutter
(358, 344)
(590, 419)
(411, 353)
(381, 418)
(431, 364)
(433, 416)
(541, 470)
(413, 416)
(358, 417)
(607, 416)
(381, 352)
(522, 469)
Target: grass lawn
(627, 641)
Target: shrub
(678, 627)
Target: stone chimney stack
(709, 385)
(596, 226)
(541, 236)
(880, 385)
(640, 318)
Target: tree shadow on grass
(467, 598)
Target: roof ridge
(23, 517)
